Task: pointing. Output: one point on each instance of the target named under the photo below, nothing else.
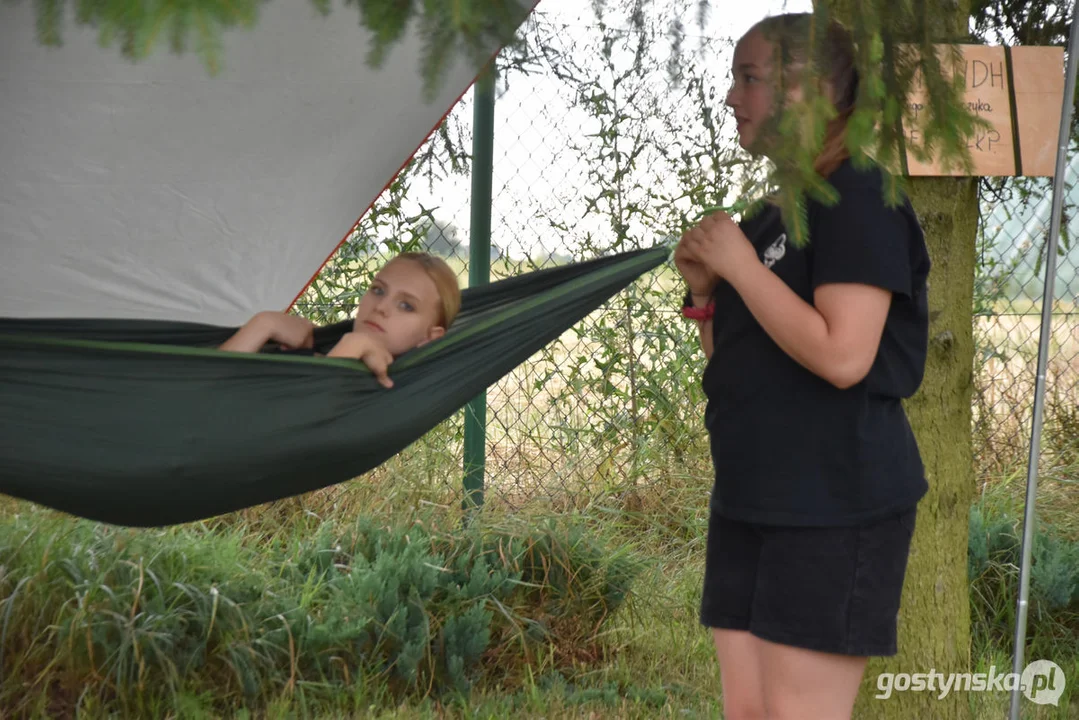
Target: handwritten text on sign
(1037, 80)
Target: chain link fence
(599, 148)
(1009, 287)
(603, 144)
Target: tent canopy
(155, 190)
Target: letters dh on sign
(1019, 92)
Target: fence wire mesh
(1009, 286)
(608, 139)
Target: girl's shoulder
(863, 192)
(849, 177)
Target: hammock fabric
(145, 423)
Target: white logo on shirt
(775, 252)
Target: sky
(534, 119)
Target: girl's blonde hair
(445, 280)
(791, 34)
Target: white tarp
(155, 190)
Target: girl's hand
(291, 331)
(719, 244)
(701, 280)
(367, 349)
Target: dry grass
(1003, 414)
(1006, 371)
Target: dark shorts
(831, 589)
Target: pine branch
(137, 26)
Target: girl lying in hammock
(411, 301)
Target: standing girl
(810, 352)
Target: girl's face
(402, 307)
(752, 92)
(752, 95)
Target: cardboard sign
(1020, 92)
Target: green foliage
(144, 616)
(476, 26)
(655, 158)
(993, 568)
(1022, 22)
(896, 53)
(138, 25)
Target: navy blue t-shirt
(789, 447)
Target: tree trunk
(934, 620)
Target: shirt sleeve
(862, 240)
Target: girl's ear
(433, 334)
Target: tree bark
(934, 619)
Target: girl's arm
(289, 330)
(701, 281)
(704, 327)
(836, 338)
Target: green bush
(994, 556)
(141, 617)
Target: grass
(136, 620)
(649, 659)
(631, 677)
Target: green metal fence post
(479, 269)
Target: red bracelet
(696, 313)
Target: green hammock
(144, 423)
